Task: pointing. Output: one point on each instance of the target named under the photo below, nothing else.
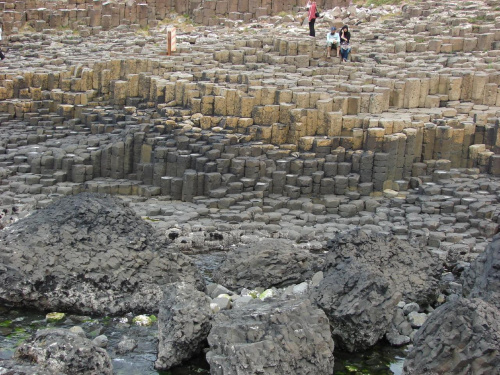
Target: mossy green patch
(6, 323)
(54, 317)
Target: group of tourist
(338, 40)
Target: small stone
(268, 293)
(223, 303)
(396, 339)
(143, 320)
(243, 300)
(410, 307)
(416, 319)
(316, 279)
(300, 288)
(251, 293)
(101, 341)
(78, 330)
(126, 345)
(54, 317)
(214, 307)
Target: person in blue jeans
(332, 41)
(345, 46)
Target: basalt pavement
(248, 129)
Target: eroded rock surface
(414, 271)
(88, 253)
(266, 263)
(59, 351)
(482, 279)
(184, 322)
(359, 302)
(460, 337)
(279, 337)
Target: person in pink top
(311, 5)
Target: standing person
(332, 41)
(345, 46)
(2, 56)
(312, 17)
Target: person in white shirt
(332, 41)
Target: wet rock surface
(266, 263)
(462, 336)
(359, 301)
(279, 337)
(184, 322)
(60, 351)
(90, 254)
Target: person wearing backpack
(313, 14)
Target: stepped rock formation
(88, 253)
(248, 131)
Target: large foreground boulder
(459, 337)
(184, 322)
(359, 301)
(279, 337)
(59, 351)
(415, 272)
(482, 279)
(88, 253)
(266, 263)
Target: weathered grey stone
(266, 263)
(61, 351)
(482, 279)
(89, 254)
(279, 337)
(459, 337)
(359, 302)
(184, 322)
(126, 345)
(414, 271)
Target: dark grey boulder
(126, 345)
(359, 301)
(459, 337)
(184, 322)
(272, 338)
(88, 253)
(266, 263)
(10, 367)
(482, 279)
(415, 272)
(59, 351)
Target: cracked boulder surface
(91, 254)
(460, 337)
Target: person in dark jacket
(2, 56)
(345, 46)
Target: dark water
(17, 325)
